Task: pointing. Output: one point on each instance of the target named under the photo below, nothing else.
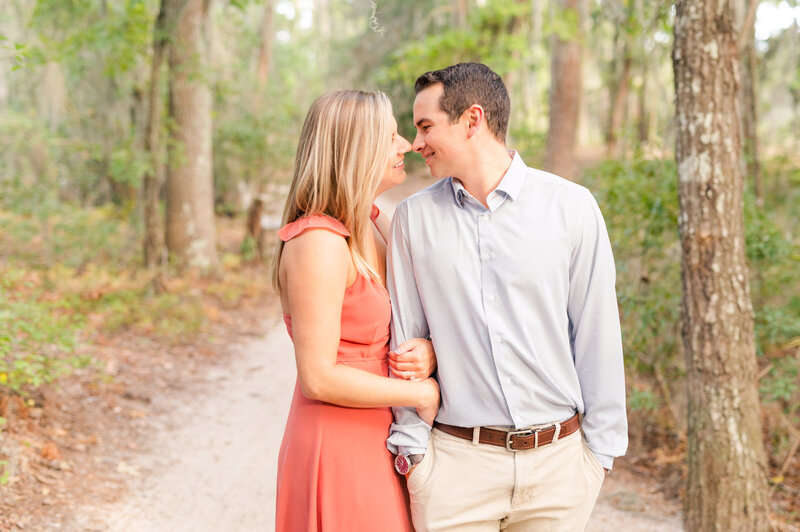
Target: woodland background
(97, 170)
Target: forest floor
(184, 435)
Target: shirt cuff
(408, 434)
(605, 460)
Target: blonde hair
(341, 158)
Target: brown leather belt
(515, 440)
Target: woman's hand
(413, 360)
(431, 401)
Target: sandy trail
(212, 462)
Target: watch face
(401, 464)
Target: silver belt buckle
(527, 432)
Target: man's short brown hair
(467, 84)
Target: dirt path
(211, 463)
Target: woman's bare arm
(316, 266)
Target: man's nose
(418, 144)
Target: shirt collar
(510, 185)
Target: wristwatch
(403, 463)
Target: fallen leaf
(49, 451)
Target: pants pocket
(593, 464)
(421, 471)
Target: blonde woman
(334, 472)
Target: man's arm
(408, 434)
(595, 334)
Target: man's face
(438, 141)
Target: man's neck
(485, 172)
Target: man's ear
(475, 118)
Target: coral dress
(334, 472)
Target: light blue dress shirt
(519, 301)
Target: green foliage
(782, 386)
(38, 337)
(640, 202)
(642, 398)
(168, 315)
(639, 199)
(489, 39)
(80, 31)
(249, 248)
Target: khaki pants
(464, 486)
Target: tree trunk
(530, 88)
(619, 104)
(190, 231)
(514, 79)
(643, 128)
(726, 485)
(265, 49)
(53, 95)
(746, 22)
(460, 12)
(153, 177)
(565, 93)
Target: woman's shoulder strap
(314, 221)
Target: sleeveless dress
(334, 471)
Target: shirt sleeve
(595, 334)
(408, 434)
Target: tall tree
(565, 91)
(745, 20)
(265, 47)
(154, 178)
(726, 487)
(190, 229)
(622, 62)
(460, 12)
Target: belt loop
(557, 433)
(476, 435)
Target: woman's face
(395, 172)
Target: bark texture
(726, 485)
(565, 93)
(190, 229)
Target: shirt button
(485, 256)
(490, 298)
(484, 216)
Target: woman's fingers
(403, 365)
(408, 345)
(415, 356)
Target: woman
(334, 472)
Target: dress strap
(314, 221)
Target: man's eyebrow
(419, 122)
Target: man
(510, 271)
